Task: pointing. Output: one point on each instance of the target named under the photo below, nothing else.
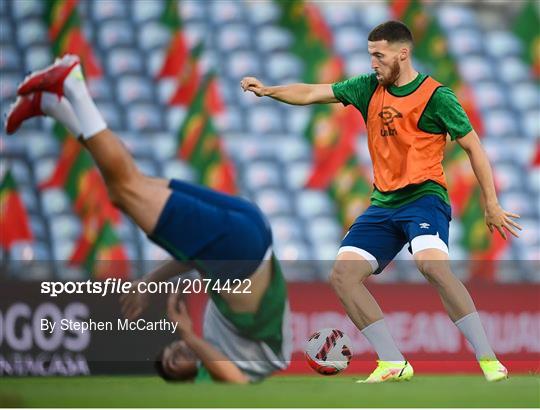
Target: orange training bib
(403, 154)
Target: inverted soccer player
(223, 237)
(408, 115)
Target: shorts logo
(424, 225)
(388, 114)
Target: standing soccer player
(408, 116)
(225, 238)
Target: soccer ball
(328, 351)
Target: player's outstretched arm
(220, 367)
(295, 94)
(134, 304)
(496, 217)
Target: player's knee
(344, 273)
(337, 280)
(121, 192)
(435, 271)
(116, 196)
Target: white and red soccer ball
(328, 351)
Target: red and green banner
(178, 50)
(100, 251)
(351, 190)
(484, 247)
(459, 177)
(536, 157)
(431, 48)
(200, 145)
(78, 176)
(526, 26)
(198, 140)
(176, 57)
(14, 224)
(312, 41)
(188, 79)
(183, 64)
(332, 129)
(75, 171)
(66, 34)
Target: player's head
(389, 45)
(176, 362)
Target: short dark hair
(391, 31)
(160, 369)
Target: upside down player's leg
(190, 219)
(140, 197)
(192, 223)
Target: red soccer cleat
(51, 78)
(25, 107)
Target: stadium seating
(264, 138)
(144, 11)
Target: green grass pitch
(284, 391)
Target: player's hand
(254, 85)
(498, 218)
(134, 304)
(177, 312)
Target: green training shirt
(443, 115)
(266, 325)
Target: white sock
(380, 338)
(61, 110)
(472, 329)
(88, 114)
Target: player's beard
(392, 77)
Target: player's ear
(160, 368)
(404, 53)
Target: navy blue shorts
(225, 237)
(380, 233)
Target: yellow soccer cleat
(390, 372)
(494, 370)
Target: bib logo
(388, 114)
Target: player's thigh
(434, 264)
(350, 266)
(426, 223)
(374, 238)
